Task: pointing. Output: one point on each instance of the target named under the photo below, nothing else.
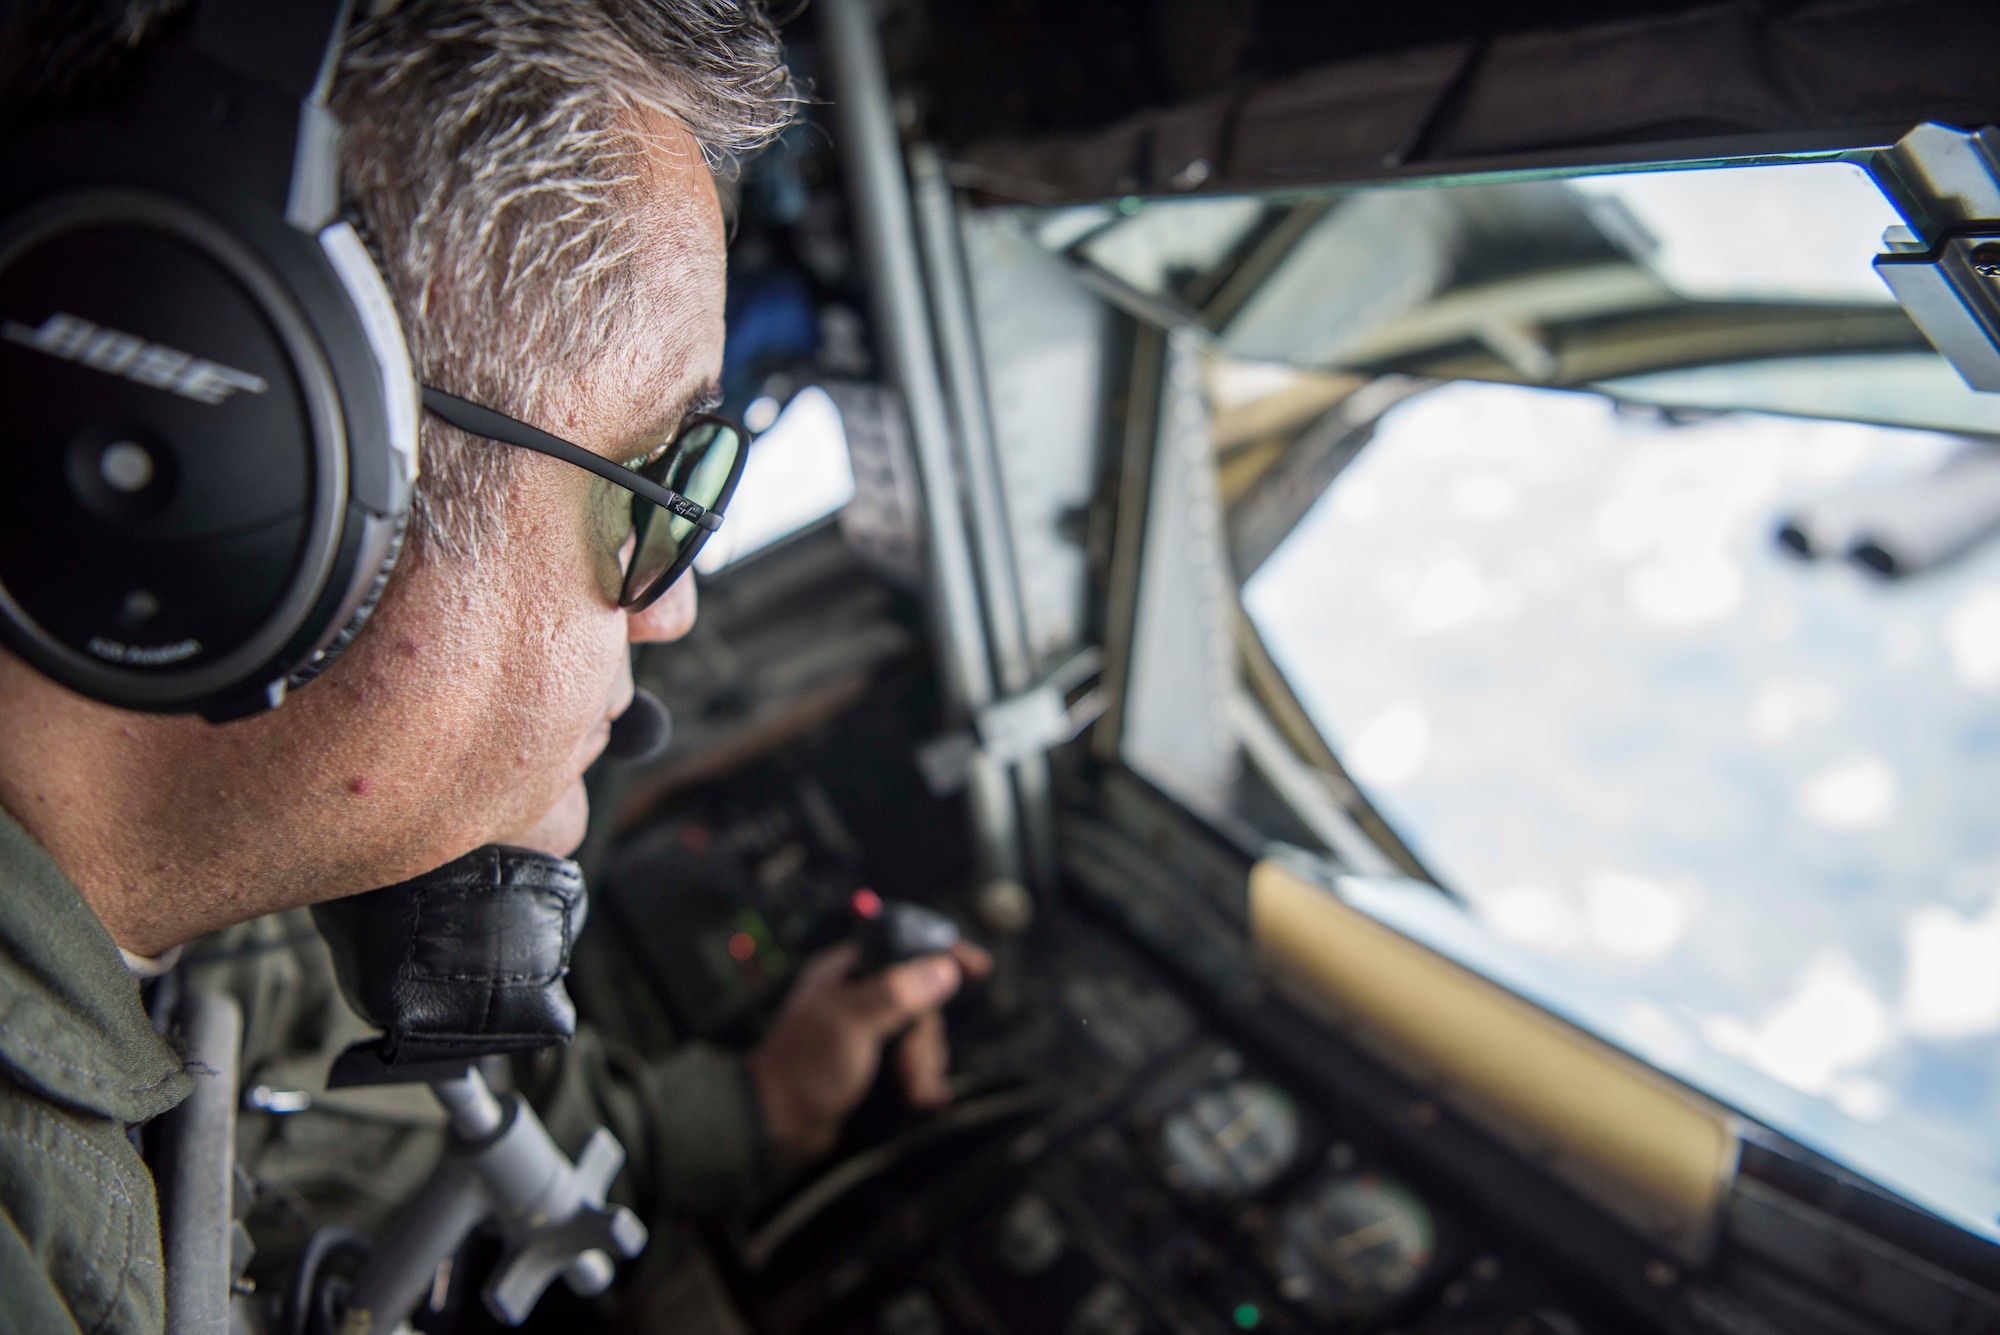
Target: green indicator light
(1247, 1316)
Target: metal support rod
(1033, 790)
(428, 1232)
(881, 197)
(198, 1157)
(475, 1112)
(951, 303)
(1135, 482)
(985, 488)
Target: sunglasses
(678, 495)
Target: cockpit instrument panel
(1184, 1186)
(1233, 1140)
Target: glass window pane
(797, 472)
(1732, 808)
(1803, 231)
(1572, 281)
(1164, 243)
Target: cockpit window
(1655, 604)
(798, 472)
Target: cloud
(1533, 915)
(1851, 795)
(1783, 708)
(1972, 634)
(1689, 589)
(1391, 748)
(1830, 1024)
(1483, 496)
(1951, 973)
(1454, 592)
(1357, 500)
(1634, 918)
(1863, 1099)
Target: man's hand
(821, 1055)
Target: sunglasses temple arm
(498, 426)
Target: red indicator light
(742, 946)
(867, 904)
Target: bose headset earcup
(210, 416)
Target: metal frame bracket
(1018, 727)
(1945, 266)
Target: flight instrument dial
(1231, 1140)
(1352, 1245)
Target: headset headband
(294, 46)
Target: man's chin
(560, 829)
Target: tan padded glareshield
(1653, 1152)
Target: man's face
(468, 711)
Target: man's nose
(670, 617)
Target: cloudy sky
(1739, 808)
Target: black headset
(207, 411)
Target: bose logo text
(78, 340)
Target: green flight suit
(79, 1063)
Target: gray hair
(491, 156)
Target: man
(534, 177)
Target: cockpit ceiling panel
(1829, 76)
